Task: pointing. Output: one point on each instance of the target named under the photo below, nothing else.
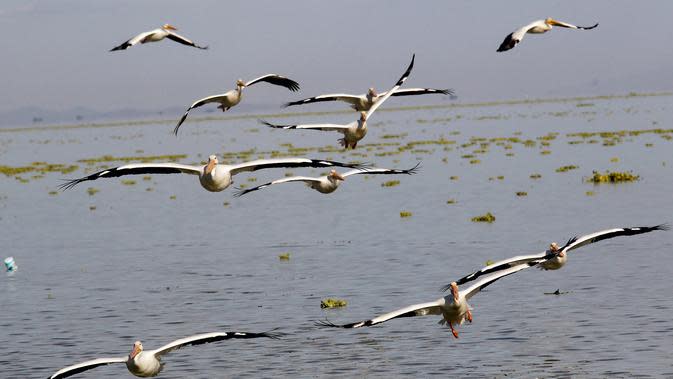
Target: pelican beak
(240, 83)
(136, 350)
(454, 291)
(170, 27)
(338, 176)
(551, 21)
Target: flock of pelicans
(216, 177)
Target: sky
(55, 53)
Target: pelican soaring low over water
(356, 130)
(213, 176)
(233, 97)
(330, 182)
(555, 257)
(453, 308)
(157, 35)
(147, 363)
(364, 102)
(535, 27)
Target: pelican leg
(468, 315)
(354, 144)
(453, 331)
(342, 142)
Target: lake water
(161, 258)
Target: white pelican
(453, 308)
(365, 101)
(157, 35)
(555, 257)
(535, 27)
(330, 182)
(146, 363)
(356, 130)
(214, 177)
(233, 97)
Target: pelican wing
(305, 179)
(200, 339)
(276, 80)
(421, 91)
(577, 242)
(261, 164)
(323, 127)
(198, 103)
(135, 169)
(483, 283)
(571, 26)
(397, 85)
(381, 171)
(351, 99)
(504, 264)
(185, 41)
(431, 308)
(84, 366)
(135, 40)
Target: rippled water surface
(161, 258)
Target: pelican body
(214, 177)
(556, 257)
(330, 182)
(231, 98)
(157, 35)
(356, 130)
(364, 102)
(536, 27)
(147, 363)
(453, 308)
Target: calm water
(142, 265)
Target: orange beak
(136, 350)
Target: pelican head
(169, 27)
(550, 21)
(240, 83)
(333, 175)
(454, 291)
(363, 116)
(212, 162)
(553, 247)
(137, 348)
(371, 93)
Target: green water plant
(331, 302)
(612, 177)
(488, 217)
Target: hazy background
(56, 59)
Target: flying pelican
(157, 35)
(214, 177)
(535, 27)
(356, 130)
(556, 257)
(365, 101)
(330, 182)
(233, 97)
(146, 363)
(453, 308)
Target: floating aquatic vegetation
(173, 197)
(390, 183)
(545, 152)
(567, 168)
(284, 256)
(489, 262)
(332, 303)
(453, 177)
(226, 204)
(149, 189)
(488, 217)
(37, 167)
(147, 178)
(451, 201)
(144, 159)
(582, 105)
(128, 182)
(522, 193)
(475, 161)
(404, 214)
(92, 207)
(590, 193)
(614, 160)
(612, 177)
(92, 191)
(53, 193)
(252, 180)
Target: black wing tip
(69, 183)
(329, 324)
(664, 226)
(414, 170)
(448, 91)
